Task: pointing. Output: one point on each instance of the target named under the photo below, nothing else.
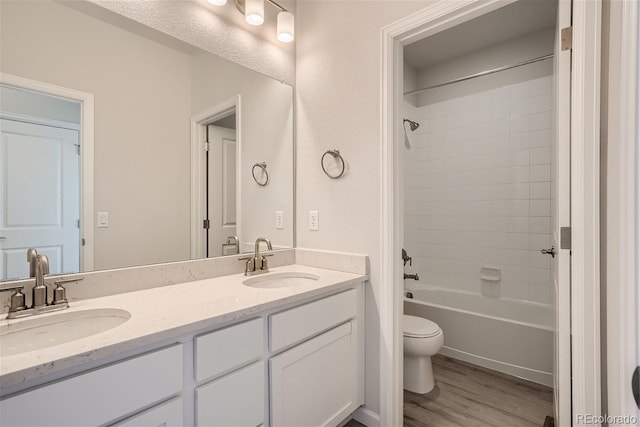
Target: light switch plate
(103, 219)
(313, 221)
(279, 220)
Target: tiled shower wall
(478, 191)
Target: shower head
(412, 125)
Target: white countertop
(163, 313)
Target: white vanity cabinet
(299, 363)
(317, 382)
(101, 396)
(236, 397)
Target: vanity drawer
(296, 324)
(99, 396)
(236, 399)
(229, 348)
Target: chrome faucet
(39, 302)
(40, 290)
(32, 255)
(411, 276)
(258, 263)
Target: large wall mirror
(188, 155)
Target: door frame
(86, 155)
(585, 112)
(199, 123)
(623, 225)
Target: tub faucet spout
(411, 276)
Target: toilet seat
(418, 327)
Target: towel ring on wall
(337, 157)
(263, 166)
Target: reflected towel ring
(262, 166)
(337, 157)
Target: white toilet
(422, 339)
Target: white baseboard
(539, 377)
(367, 417)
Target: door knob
(551, 251)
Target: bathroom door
(561, 196)
(40, 194)
(222, 188)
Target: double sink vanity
(280, 348)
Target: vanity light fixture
(253, 11)
(285, 26)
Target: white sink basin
(280, 280)
(20, 336)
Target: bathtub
(506, 335)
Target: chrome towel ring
(265, 179)
(338, 158)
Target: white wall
(141, 133)
(338, 106)
(478, 191)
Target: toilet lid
(418, 327)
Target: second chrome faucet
(257, 264)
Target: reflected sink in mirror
(280, 280)
(41, 332)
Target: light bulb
(285, 27)
(254, 12)
(218, 2)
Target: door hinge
(565, 237)
(207, 146)
(78, 223)
(77, 148)
(566, 38)
(206, 224)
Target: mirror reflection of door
(221, 194)
(39, 190)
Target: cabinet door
(315, 383)
(237, 399)
(166, 414)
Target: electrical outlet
(313, 221)
(279, 220)
(103, 219)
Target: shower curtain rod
(482, 73)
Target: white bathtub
(506, 335)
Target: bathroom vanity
(282, 348)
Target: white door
(40, 194)
(562, 218)
(222, 189)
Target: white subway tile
(519, 158)
(519, 224)
(519, 241)
(540, 224)
(520, 174)
(540, 173)
(519, 108)
(515, 291)
(540, 156)
(518, 257)
(500, 176)
(519, 207)
(519, 141)
(519, 124)
(540, 190)
(500, 160)
(539, 241)
(540, 208)
(539, 260)
(519, 190)
(541, 138)
(540, 121)
(541, 103)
